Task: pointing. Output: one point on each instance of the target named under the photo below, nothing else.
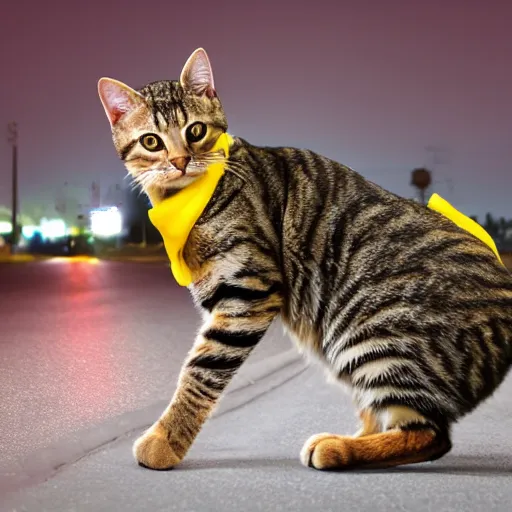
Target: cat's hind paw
(153, 450)
(409, 444)
(325, 451)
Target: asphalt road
(83, 341)
(246, 459)
(126, 346)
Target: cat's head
(165, 131)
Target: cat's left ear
(117, 98)
(197, 75)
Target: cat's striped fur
(408, 310)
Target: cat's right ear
(197, 75)
(117, 98)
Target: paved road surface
(247, 460)
(82, 341)
(106, 348)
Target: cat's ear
(117, 98)
(197, 75)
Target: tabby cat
(410, 311)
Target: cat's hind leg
(407, 438)
(370, 423)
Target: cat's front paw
(153, 450)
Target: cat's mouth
(165, 182)
(168, 177)
(176, 183)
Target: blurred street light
(106, 222)
(5, 227)
(53, 228)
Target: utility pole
(12, 130)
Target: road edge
(254, 381)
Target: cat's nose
(181, 163)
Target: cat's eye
(195, 132)
(152, 142)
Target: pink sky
(368, 83)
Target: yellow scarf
(438, 204)
(186, 206)
(175, 217)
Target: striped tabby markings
(410, 440)
(125, 151)
(227, 338)
(348, 358)
(212, 363)
(371, 373)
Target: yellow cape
(175, 217)
(438, 204)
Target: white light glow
(52, 228)
(5, 227)
(29, 231)
(106, 222)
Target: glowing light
(73, 231)
(106, 222)
(53, 228)
(83, 259)
(91, 260)
(29, 231)
(5, 227)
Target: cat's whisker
(147, 179)
(229, 166)
(219, 158)
(238, 175)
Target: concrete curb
(255, 380)
(19, 258)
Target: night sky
(371, 84)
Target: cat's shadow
(492, 464)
